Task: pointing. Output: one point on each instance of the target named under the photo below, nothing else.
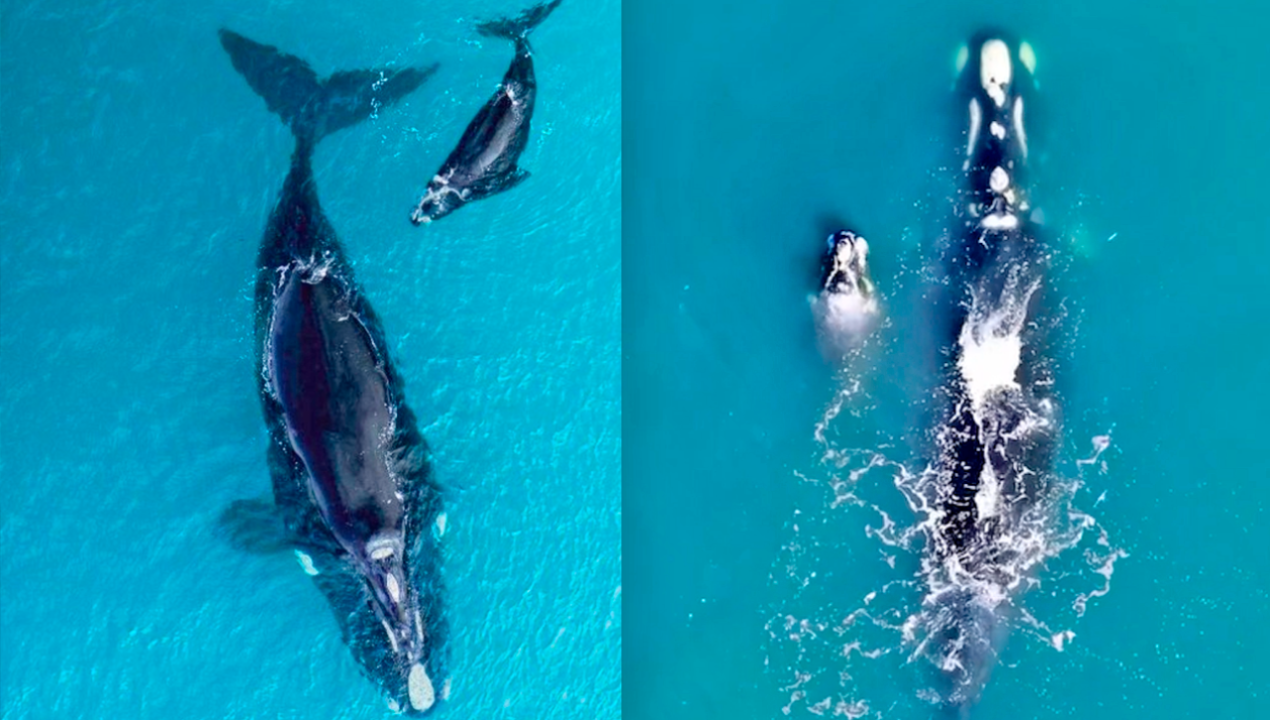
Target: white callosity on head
(419, 685)
(999, 221)
(382, 545)
(999, 180)
(394, 588)
(995, 70)
(998, 130)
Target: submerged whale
(484, 163)
(353, 493)
(994, 445)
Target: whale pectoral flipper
(519, 177)
(254, 526)
(315, 108)
(495, 185)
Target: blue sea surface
(136, 175)
(751, 129)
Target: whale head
(439, 200)
(996, 66)
(995, 72)
(397, 606)
(846, 309)
(846, 266)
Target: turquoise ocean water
(137, 172)
(749, 127)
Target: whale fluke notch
(517, 29)
(311, 107)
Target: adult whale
(995, 442)
(485, 161)
(353, 492)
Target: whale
(996, 434)
(485, 162)
(354, 496)
(845, 307)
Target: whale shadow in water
(354, 496)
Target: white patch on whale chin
(394, 588)
(422, 695)
(441, 525)
(995, 70)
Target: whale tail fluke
(517, 29)
(315, 108)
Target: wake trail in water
(820, 642)
(913, 601)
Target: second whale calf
(485, 161)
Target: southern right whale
(846, 306)
(353, 493)
(995, 441)
(485, 161)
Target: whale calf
(485, 161)
(846, 306)
(353, 494)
